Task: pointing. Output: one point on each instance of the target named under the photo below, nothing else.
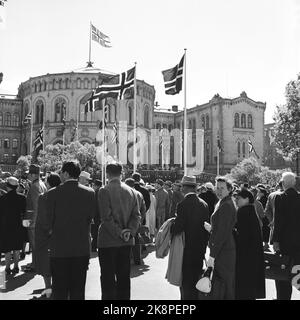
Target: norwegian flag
(115, 138)
(251, 148)
(27, 118)
(39, 140)
(118, 87)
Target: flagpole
(134, 124)
(90, 44)
(31, 129)
(103, 143)
(185, 121)
(43, 129)
(218, 161)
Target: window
(250, 122)
(158, 126)
(78, 83)
(190, 124)
(194, 124)
(60, 109)
(60, 84)
(40, 86)
(207, 121)
(67, 83)
(243, 120)
(7, 120)
(14, 158)
(1, 119)
(165, 126)
(16, 120)
(170, 127)
(15, 143)
(26, 108)
(45, 86)
(0, 143)
(203, 122)
(53, 84)
(207, 151)
(85, 83)
(146, 117)
(39, 112)
(236, 120)
(244, 149)
(239, 149)
(130, 115)
(6, 143)
(6, 158)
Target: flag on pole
(38, 142)
(173, 78)
(251, 148)
(115, 138)
(27, 118)
(219, 144)
(118, 87)
(100, 37)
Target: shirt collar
(190, 193)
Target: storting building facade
(53, 98)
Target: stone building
(234, 121)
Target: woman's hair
(245, 193)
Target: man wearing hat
(37, 187)
(13, 206)
(192, 212)
(168, 188)
(162, 203)
(85, 178)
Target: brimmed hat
(34, 169)
(160, 182)
(85, 174)
(189, 181)
(209, 185)
(12, 182)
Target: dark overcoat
(250, 271)
(192, 212)
(12, 211)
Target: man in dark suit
(286, 235)
(70, 209)
(137, 185)
(192, 212)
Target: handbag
(204, 283)
(144, 235)
(277, 266)
(217, 291)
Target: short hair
(72, 168)
(227, 181)
(289, 179)
(130, 182)
(136, 176)
(245, 193)
(54, 179)
(114, 169)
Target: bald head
(288, 180)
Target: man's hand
(125, 235)
(276, 246)
(207, 227)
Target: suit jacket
(211, 199)
(192, 212)
(162, 202)
(287, 222)
(70, 210)
(145, 193)
(177, 197)
(119, 210)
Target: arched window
(158, 126)
(45, 86)
(146, 117)
(130, 114)
(78, 83)
(93, 83)
(15, 143)
(60, 109)
(239, 149)
(207, 121)
(67, 81)
(26, 108)
(203, 122)
(236, 120)
(53, 84)
(244, 149)
(170, 127)
(7, 119)
(243, 120)
(60, 84)
(40, 86)
(1, 119)
(194, 124)
(35, 87)
(190, 124)
(16, 120)
(250, 122)
(39, 112)
(85, 83)
(6, 144)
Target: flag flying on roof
(173, 78)
(100, 37)
(38, 142)
(251, 148)
(219, 144)
(118, 87)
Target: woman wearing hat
(250, 270)
(13, 207)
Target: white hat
(85, 174)
(12, 181)
(209, 185)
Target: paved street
(147, 281)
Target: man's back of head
(70, 170)
(130, 182)
(136, 176)
(288, 180)
(114, 170)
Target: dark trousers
(137, 251)
(284, 290)
(115, 272)
(69, 277)
(31, 238)
(94, 234)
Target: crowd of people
(66, 216)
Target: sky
(232, 46)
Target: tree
(23, 164)
(287, 121)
